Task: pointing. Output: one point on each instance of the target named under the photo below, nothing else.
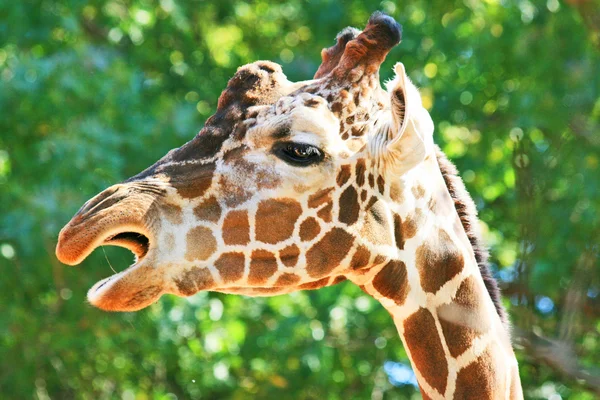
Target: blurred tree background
(93, 92)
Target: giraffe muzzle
(118, 216)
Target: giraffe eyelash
(298, 154)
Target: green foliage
(91, 94)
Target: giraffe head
(287, 187)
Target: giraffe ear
(410, 139)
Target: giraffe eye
(298, 154)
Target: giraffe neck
(458, 346)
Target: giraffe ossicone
(292, 186)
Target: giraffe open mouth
(121, 216)
(136, 286)
(137, 242)
(131, 289)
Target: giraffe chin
(135, 288)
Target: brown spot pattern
(349, 207)
(236, 228)
(380, 184)
(398, 235)
(287, 279)
(426, 349)
(314, 284)
(358, 130)
(275, 219)
(230, 266)
(312, 102)
(391, 281)
(262, 266)
(289, 255)
(431, 204)
(363, 195)
(371, 181)
(232, 195)
(194, 280)
(464, 318)
(438, 261)
(361, 258)
(309, 229)
(339, 279)
(379, 259)
(376, 225)
(201, 244)
(337, 107)
(397, 192)
(325, 213)
(210, 210)
(483, 379)
(327, 253)
(418, 191)
(360, 170)
(190, 180)
(409, 228)
(343, 175)
(173, 213)
(321, 197)
(372, 201)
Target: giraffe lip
(78, 240)
(132, 289)
(121, 215)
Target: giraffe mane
(465, 207)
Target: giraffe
(301, 185)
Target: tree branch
(559, 355)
